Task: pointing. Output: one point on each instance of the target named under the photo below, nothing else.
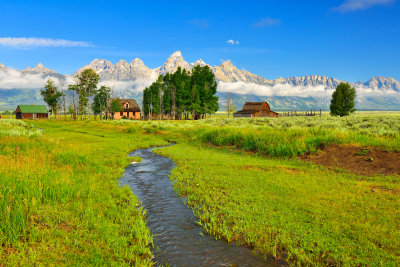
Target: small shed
(255, 109)
(129, 110)
(31, 112)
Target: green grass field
(59, 197)
(61, 204)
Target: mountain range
(129, 79)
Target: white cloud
(232, 42)
(135, 86)
(267, 22)
(40, 42)
(354, 5)
(11, 78)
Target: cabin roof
(33, 108)
(133, 106)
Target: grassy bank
(289, 208)
(59, 198)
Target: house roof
(33, 108)
(133, 106)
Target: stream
(178, 240)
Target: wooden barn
(129, 110)
(255, 109)
(31, 112)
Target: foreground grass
(61, 205)
(289, 208)
(59, 198)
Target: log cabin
(255, 109)
(31, 112)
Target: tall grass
(59, 198)
(288, 136)
(10, 127)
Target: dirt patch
(358, 160)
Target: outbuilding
(31, 112)
(255, 109)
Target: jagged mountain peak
(176, 54)
(227, 63)
(198, 62)
(40, 69)
(173, 62)
(137, 61)
(381, 82)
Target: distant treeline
(181, 94)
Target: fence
(295, 113)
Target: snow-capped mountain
(129, 79)
(199, 62)
(121, 71)
(171, 65)
(309, 81)
(381, 83)
(227, 72)
(39, 69)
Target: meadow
(242, 177)
(60, 203)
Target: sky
(350, 40)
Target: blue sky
(347, 39)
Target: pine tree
(342, 103)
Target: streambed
(178, 240)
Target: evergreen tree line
(84, 97)
(181, 94)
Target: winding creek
(178, 240)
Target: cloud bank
(290, 90)
(136, 86)
(15, 79)
(40, 42)
(355, 5)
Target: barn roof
(33, 108)
(255, 106)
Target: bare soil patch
(358, 160)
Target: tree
(85, 85)
(342, 103)
(182, 93)
(115, 106)
(230, 107)
(100, 100)
(204, 85)
(51, 96)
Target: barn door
(34, 116)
